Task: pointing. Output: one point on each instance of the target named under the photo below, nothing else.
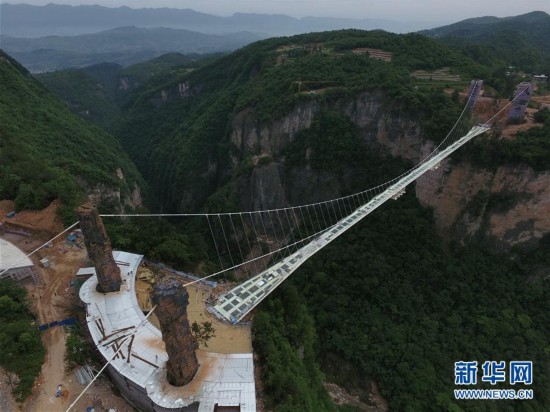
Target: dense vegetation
(390, 300)
(84, 95)
(99, 92)
(531, 148)
(159, 240)
(22, 352)
(48, 153)
(284, 336)
(422, 306)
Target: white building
(20, 266)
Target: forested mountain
(47, 152)
(292, 120)
(521, 40)
(221, 117)
(123, 45)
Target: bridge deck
(239, 301)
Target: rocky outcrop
(171, 300)
(502, 208)
(114, 196)
(253, 136)
(99, 249)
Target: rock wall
(99, 249)
(507, 207)
(172, 299)
(271, 186)
(376, 119)
(502, 208)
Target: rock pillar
(99, 249)
(172, 299)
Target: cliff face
(503, 208)
(119, 199)
(272, 185)
(376, 120)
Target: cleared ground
(228, 338)
(52, 298)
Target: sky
(401, 10)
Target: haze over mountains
(123, 45)
(22, 20)
(77, 36)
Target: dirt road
(51, 303)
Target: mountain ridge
(123, 45)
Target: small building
(15, 260)
(540, 77)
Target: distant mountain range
(22, 20)
(127, 36)
(123, 45)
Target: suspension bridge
(267, 246)
(238, 302)
(240, 239)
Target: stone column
(172, 299)
(99, 249)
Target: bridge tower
(172, 299)
(99, 249)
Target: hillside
(48, 153)
(98, 92)
(294, 120)
(521, 40)
(123, 45)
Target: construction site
(152, 370)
